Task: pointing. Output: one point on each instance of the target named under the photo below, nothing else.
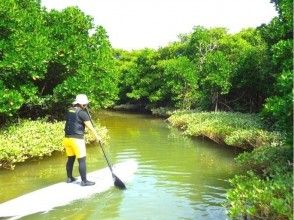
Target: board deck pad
(61, 194)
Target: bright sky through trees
(135, 24)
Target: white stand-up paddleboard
(60, 194)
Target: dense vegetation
(47, 57)
(244, 131)
(29, 139)
(211, 69)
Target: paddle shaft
(108, 162)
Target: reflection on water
(177, 178)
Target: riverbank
(264, 189)
(245, 131)
(29, 139)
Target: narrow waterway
(177, 178)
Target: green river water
(177, 178)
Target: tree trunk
(216, 103)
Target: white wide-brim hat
(81, 99)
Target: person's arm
(94, 132)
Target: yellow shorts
(74, 147)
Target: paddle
(117, 182)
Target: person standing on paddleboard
(76, 121)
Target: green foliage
(11, 100)
(251, 82)
(207, 69)
(265, 190)
(29, 139)
(253, 137)
(201, 42)
(217, 71)
(261, 198)
(33, 139)
(68, 34)
(278, 109)
(285, 10)
(125, 62)
(216, 76)
(23, 51)
(96, 76)
(46, 58)
(282, 53)
(179, 84)
(267, 161)
(139, 78)
(236, 129)
(213, 65)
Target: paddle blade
(118, 183)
